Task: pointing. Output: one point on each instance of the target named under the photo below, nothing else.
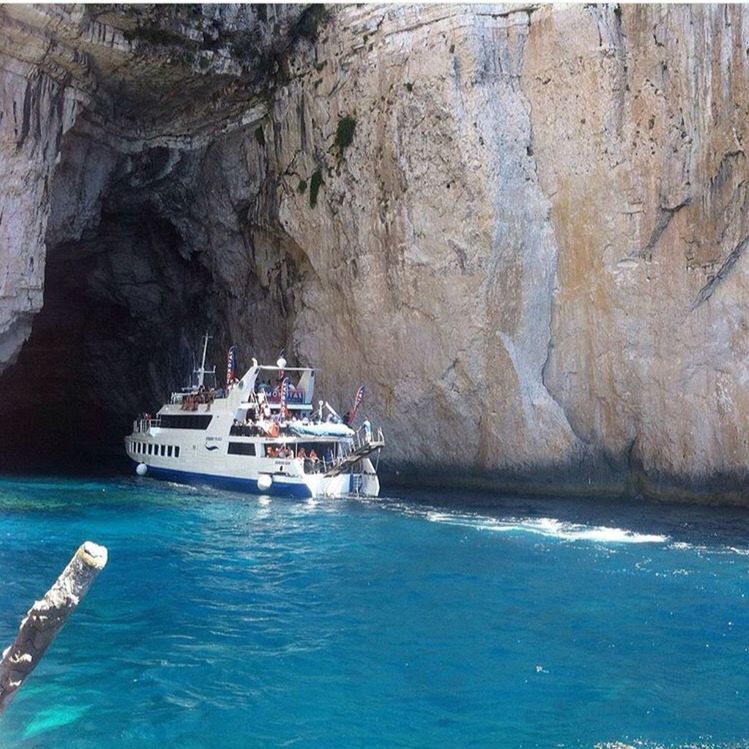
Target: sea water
(417, 620)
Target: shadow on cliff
(607, 479)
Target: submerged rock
(523, 227)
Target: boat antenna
(201, 373)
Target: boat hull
(230, 483)
(321, 486)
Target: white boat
(263, 433)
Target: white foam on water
(702, 742)
(701, 549)
(554, 528)
(548, 527)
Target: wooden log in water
(46, 617)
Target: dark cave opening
(122, 314)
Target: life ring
(272, 429)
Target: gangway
(362, 448)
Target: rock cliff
(522, 227)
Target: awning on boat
(327, 429)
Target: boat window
(169, 451)
(186, 421)
(241, 448)
(148, 449)
(162, 450)
(325, 450)
(245, 430)
(176, 451)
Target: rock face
(522, 227)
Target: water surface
(422, 620)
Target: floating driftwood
(46, 617)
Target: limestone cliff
(523, 227)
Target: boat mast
(201, 373)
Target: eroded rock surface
(522, 227)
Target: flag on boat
(359, 397)
(285, 389)
(231, 365)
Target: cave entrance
(121, 310)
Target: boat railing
(144, 424)
(366, 437)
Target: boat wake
(547, 527)
(554, 528)
(702, 743)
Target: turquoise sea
(418, 620)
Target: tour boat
(262, 433)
